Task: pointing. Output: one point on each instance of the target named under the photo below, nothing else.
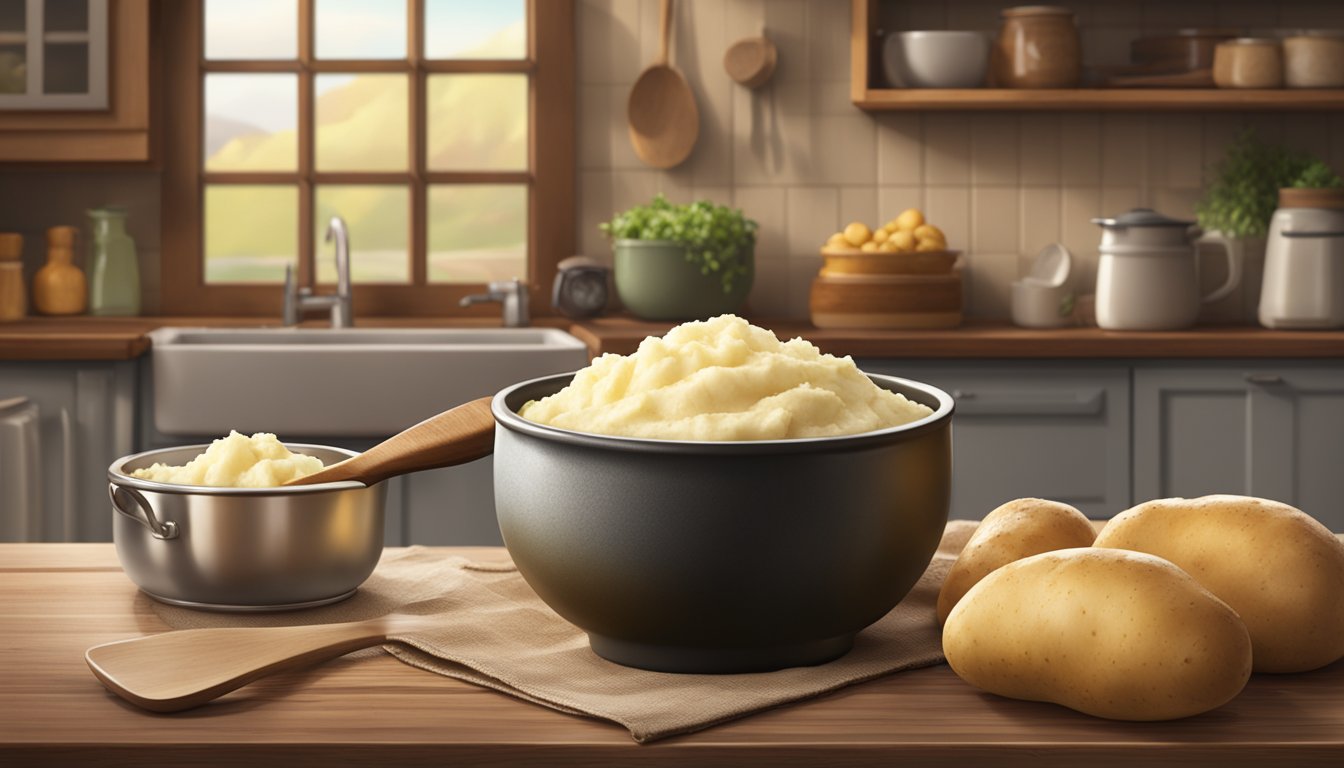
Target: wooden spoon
(456, 436)
(173, 671)
(664, 121)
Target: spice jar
(1248, 62)
(13, 303)
(59, 287)
(1314, 60)
(1038, 47)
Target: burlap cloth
(497, 633)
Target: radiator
(20, 471)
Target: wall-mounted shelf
(865, 52)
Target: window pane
(477, 232)
(13, 69)
(361, 29)
(251, 29)
(475, 29)
(13, 16)
(65, 68)
(378, 219)
(477, 123)
(362, 122)
(251, 232)
(66, 15)
(251, 122)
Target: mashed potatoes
(723, 379)
(237, 461)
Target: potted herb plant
(682, 262)
(1241, 197)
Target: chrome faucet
(299, 300)
(512, 294)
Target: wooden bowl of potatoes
(906, 245)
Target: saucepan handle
(166, 529)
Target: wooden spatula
(456, 436)
(179, 670)
(664, 120)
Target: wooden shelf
(1114, 99)
(865, 52)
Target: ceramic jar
(1304, 261)
(1248, 62)
(59, 287)
(1038, 47)
(1314, 60)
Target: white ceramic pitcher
(1148, 272)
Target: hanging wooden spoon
(751, 60)
(664, 120)
(456, 436)
(173, 671)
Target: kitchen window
(440, 130)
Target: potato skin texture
(1278, 567)
(1108, 632)
(1014, 530)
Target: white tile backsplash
(798, 157)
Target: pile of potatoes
(907, 233)
(1163, 614)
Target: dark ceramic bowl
(717, 557)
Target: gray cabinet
(79, 418)
(1256, 428)
(1057, 431)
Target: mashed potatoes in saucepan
(723, 379)
(237, 461)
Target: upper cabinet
(74, 81)
(1103, 26)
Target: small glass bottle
(114, 272)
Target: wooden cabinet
(1048, 430)
(70, 131)
(1274, 431)
(84, 420)
(868, 89)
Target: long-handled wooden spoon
(173, 671)
(456, 436)
(664, 121)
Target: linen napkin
(497, 633)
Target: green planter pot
(656, 282)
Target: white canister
(1304, 261)
(1148, 272)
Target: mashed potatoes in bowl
(723, 380)
(237, 461)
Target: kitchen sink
(352, 382)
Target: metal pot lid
(1142, 217)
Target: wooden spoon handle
(456, 436)
(664, 29)
(173, 671)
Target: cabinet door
(85, 422)
(1259, 430)
(1052, 431)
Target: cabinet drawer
(1056, 432)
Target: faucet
(299, 300)
(512, 294)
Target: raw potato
(1017, 529)
(905, 242)
(1279, 568)
(1112, 633)
(910, 219)
(856, 232)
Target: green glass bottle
(114, 272)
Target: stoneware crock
(718, 557)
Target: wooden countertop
(90, 338)
(56, 600)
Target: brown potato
(1279, 568)
(1109, 632)
(1017, 529)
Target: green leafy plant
(1318, 175)
(717, 238)
(1245, 189)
